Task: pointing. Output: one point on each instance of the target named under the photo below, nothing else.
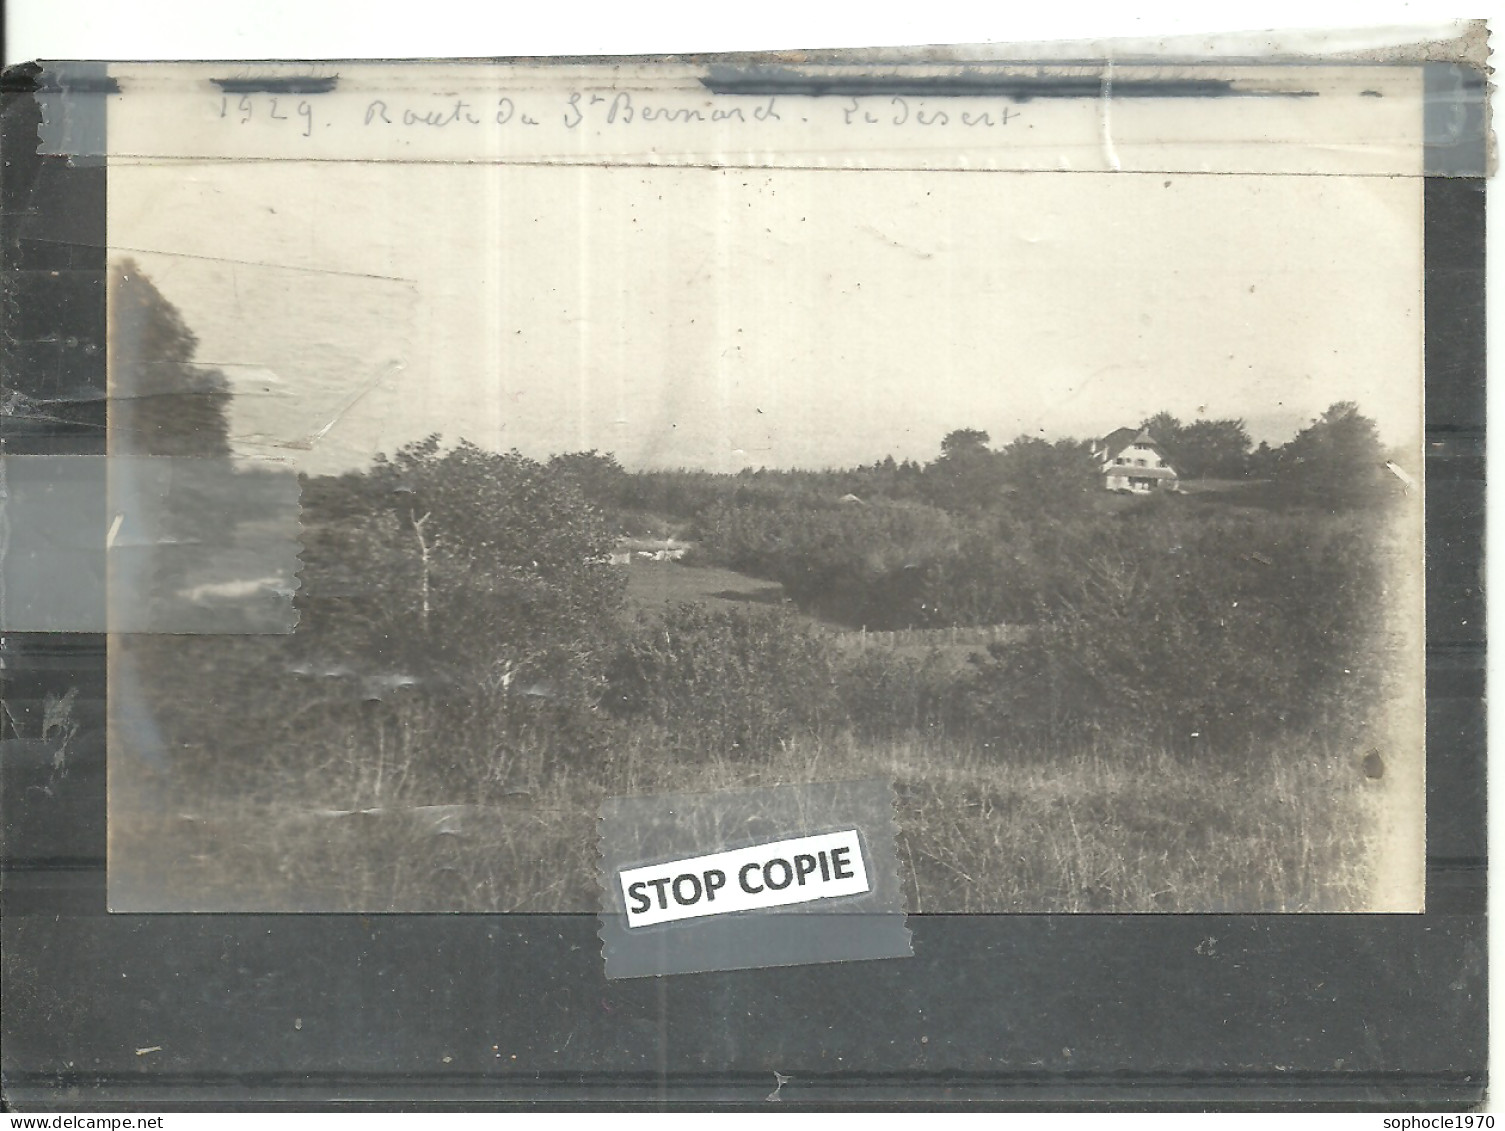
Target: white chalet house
(1129, 459)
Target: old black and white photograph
(1081, 501)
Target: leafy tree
(966, 475)
(855, 565)
(964, 442)
(1262, 461)
(1203, 449)
(1205, 630)
(1337, 459)
(1049, 475)
(983, 582)
(598, 476)
(1212, 449)
(488, 562)
(161, 403)
(903, 480)
(1164, 427)
(725, 681)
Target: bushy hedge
(1193, 624)
(1199, 629)
(885, 694)
(738, 682)
(850, 563)
(725, 681)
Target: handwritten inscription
(898, 111)
(272, 108)
(460, 112)
(623, 108)
(620, 111)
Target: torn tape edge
(1460, 40)
(279, 561)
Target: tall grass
(1095, 830)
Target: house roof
(1120, 438)
(1117, 440)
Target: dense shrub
(854, 564)
(456, 607)
(1336, 462)
(725, 681)
(482, 563)
(1199, 630)
(885, 694)
(993, 576)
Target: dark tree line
(1203, 449)
(1338, 458)
(1336, 461)
(162, 403)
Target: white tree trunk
(423, 555)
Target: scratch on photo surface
(888, 239)
(350, 402)
(168, 253)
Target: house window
(1139, 463)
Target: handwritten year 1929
(277, 108)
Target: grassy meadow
(1099, 830)
(1107, 705)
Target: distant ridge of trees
(1337, 460)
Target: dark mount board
(452, 1012)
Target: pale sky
(730, 318)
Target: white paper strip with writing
(1204, 118)
(777, 874)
